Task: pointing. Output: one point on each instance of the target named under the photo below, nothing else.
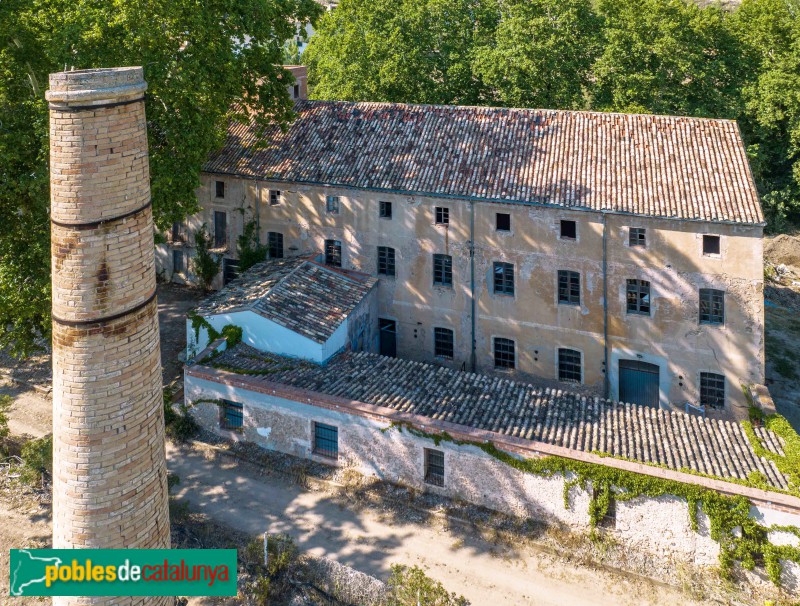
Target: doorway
(388, 337)
(638, 383)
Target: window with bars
(443, 343)
(637, 236)
(569, 230)
(503, 278)
(220, 229)
(177, 261)
(332, 204)
(333, 253)
(326, 440)
(434, 467)
(275, 245)
(569, 287)
(231, 415)
(386, 261)
(712, 306)
(711, 245)
(178, 232)
(442, 270)
(385, 210)
(219, 189)
(274, 197)
(442, 215)
(569, 365)
(638, 297)
(712, 390)
(504, 353)
(503, 222)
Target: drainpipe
(605, 313)
(472, 278)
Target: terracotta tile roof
(297, 293)
(640, 433)
(661, 166)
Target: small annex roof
(298, 293)
(640, 433)
(658, 166)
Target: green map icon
(28, 569)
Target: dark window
(220, 229)
(443, 343)
(178, 233)
(231, 415)
(636, 236)
(385, 210)
(569, 230)
(712, 306)
(712, 390)
(504, 353)
(569, 365)
(442, 270)
(326, 440)
(332, 204)
(385, 261)
(503, 222)
(503, 278)
(639, 297)
(434, 467)
(569, 287)
(275, 245)
(710, 245)
(220, 189)
(333, 253)
(442, 215)
(274, 197)
(230, 270)
(296, 91)
(177, 261)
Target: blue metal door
(638, 382)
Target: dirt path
(369, 541)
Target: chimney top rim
(96, 84)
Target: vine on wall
(740, 537)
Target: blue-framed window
(326, 440)
(231, 415)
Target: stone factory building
(609, 254)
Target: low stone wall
(660, 526)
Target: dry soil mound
(783, 249)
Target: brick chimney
(109, 468)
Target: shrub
(411, 586)
(233, 334)
(5, 404)
(179, 426)
(38, 460)
(250, 250)
(206, 265)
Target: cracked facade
(653, 295)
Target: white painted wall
(266, 335)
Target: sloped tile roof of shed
(640, 433)
(297, 293)
(660, 166)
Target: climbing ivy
(789, 463)
(231, 332)
(741, 538)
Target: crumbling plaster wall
(672, 262)
(659, 526)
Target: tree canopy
(201, 61)
(646, 56)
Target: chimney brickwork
(109, 468)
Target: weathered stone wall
(657, 526)
(671, 337)
(109, 468)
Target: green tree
(200, 74)
(770, 30)
(541, 54)
(408, 51)
(250, 250)
(668, 57)
(206, 265)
